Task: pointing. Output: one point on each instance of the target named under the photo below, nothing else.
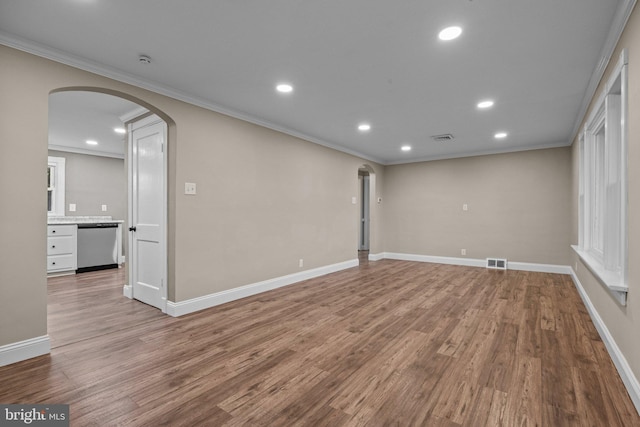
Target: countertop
(62, 220)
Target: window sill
(613, 282)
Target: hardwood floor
(386, 343)
(88, 305)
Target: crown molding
(615, 32)
(133, 114)
(62, 57)
(466, 154)
(76, 150)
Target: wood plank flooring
(88, 305)
(386, 343)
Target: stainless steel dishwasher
(97, 246)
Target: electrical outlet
(463, 251)
(301, 263)
(72, 207)
(104, 208)
(465, 207)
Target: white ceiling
(75, 117)
(377, 61)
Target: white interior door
(147, 211)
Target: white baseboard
(469, 262)
(628, 378)
(541, 268)
(376, 257)
(472, 262)
(23, 350)
(181, 308)
(127, 291)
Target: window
(603, 186)
(596, 189)
(55, 186)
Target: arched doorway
(78, 114)
(366, 189)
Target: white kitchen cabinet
(62, 257)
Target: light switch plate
(190, 188)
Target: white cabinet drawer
(60, 245)
(61, 230)
(61, 262)
(62, 249)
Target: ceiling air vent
(442, 138)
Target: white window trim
(614, 279)
(58, 199)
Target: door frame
(364, 242)
(132, 125)
(366, 169)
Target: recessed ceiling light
(284, 88)
(500, 135)
(406, 148)
(485, 104)
(91, 142)
(450, 33)
(364, 127)
(121, 131)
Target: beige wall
(264, 199)
(622, 322)
(23, 209)
(518, 207)
(92, 181)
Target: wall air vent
(442, 138)
(497, 263)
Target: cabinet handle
(54, 263)
(53, 246)
(54, 231)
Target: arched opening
(118, 94)
(366, 190)
(96, 186)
